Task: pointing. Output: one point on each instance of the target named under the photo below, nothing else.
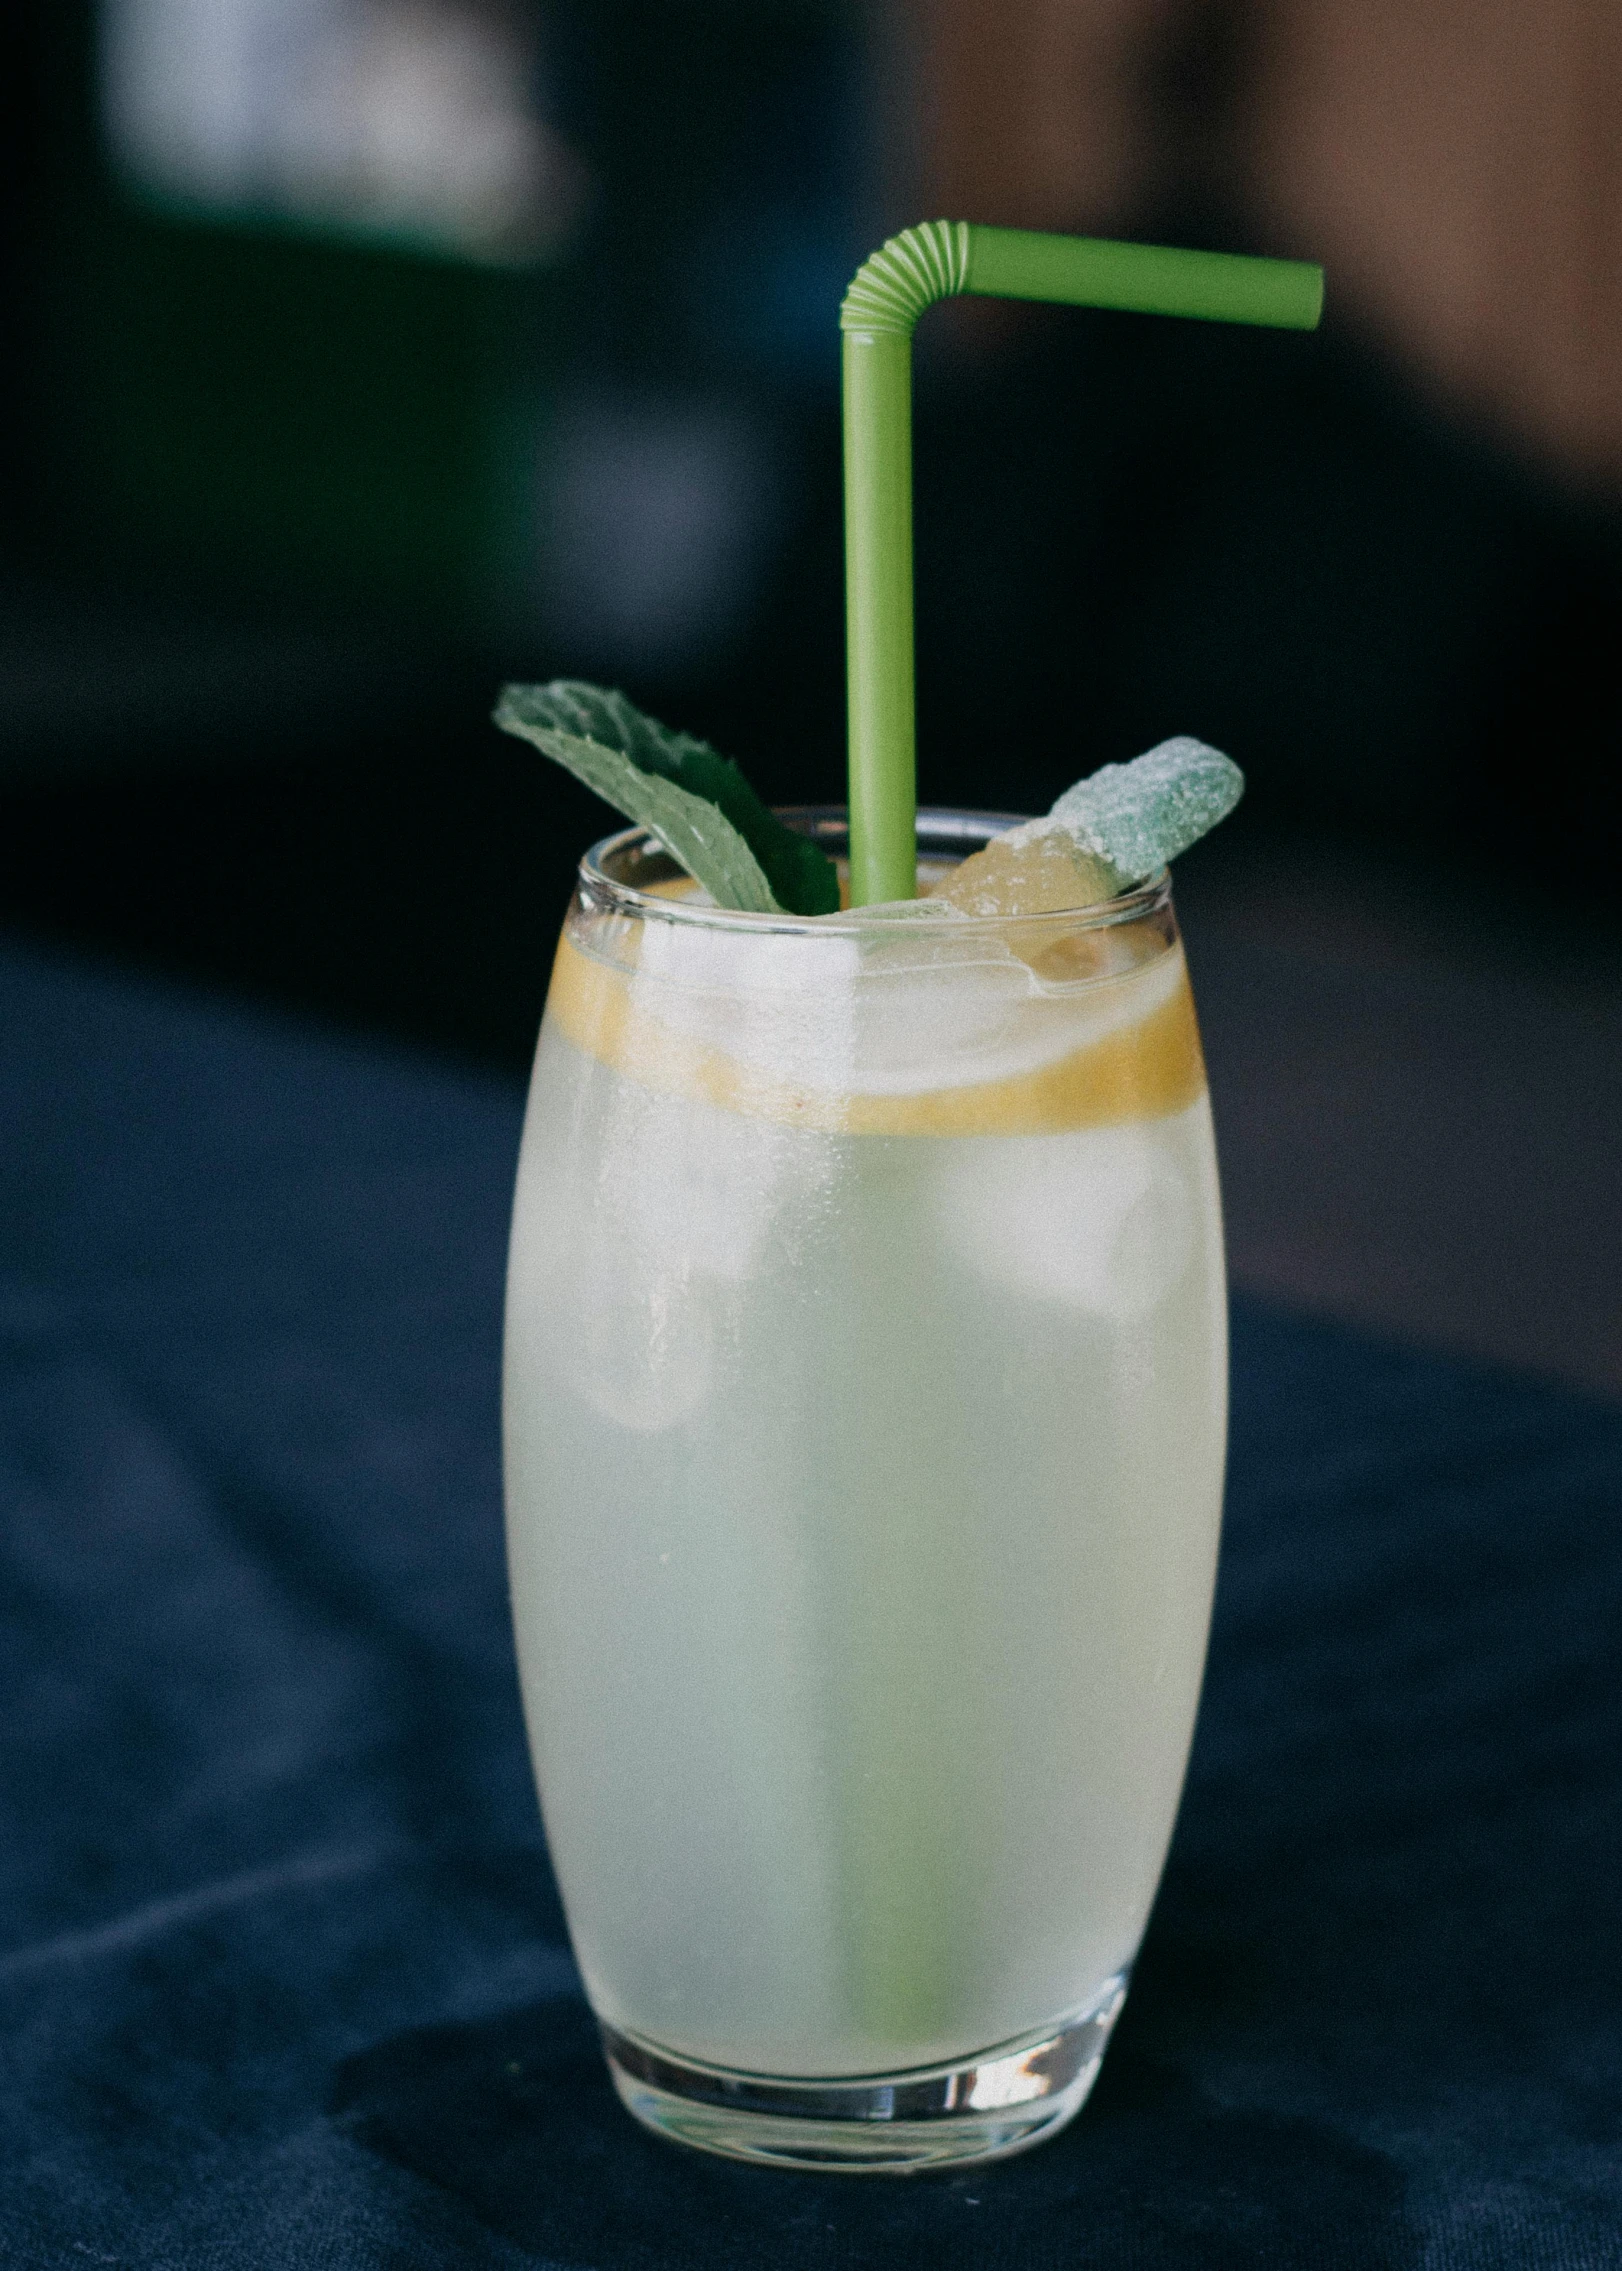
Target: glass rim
(947, 823)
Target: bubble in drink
(1107, 833)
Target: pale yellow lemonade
(865, 1408)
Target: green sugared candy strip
(1103, 836)
(1138, 817)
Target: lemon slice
(1137, 1069)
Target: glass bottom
(1001, 2101)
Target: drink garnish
(1110, 831)
(695, 801)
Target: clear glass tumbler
(865, 1407)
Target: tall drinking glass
(865, 1404)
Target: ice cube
(1102, 1220)
(1102, 836)
(633, 1257)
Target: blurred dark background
(361, 353)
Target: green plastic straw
(887, 296)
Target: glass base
(1002, 2101)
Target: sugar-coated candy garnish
(1107, 833)
(1139, 816)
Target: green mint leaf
(692, 830)
(743, 846)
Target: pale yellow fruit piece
(1027, 874)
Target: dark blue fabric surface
(282, 1977)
